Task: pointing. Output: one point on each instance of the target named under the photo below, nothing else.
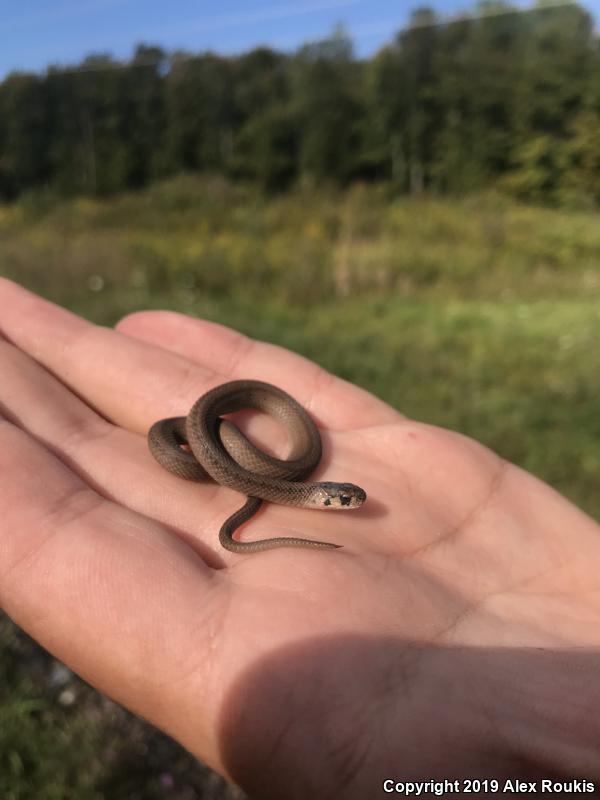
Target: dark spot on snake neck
(327, 502)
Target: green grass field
(479, 315)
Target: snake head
(340, 496)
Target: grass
(479, 315)
(209, 239)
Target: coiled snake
(219, 450)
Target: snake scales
(219, 450)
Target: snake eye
(340, 495)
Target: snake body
(219, 450)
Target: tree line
(497, 97)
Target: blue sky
(35, 33)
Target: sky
(37, 33)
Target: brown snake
(219, 450)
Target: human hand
(453, 628)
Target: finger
(234, 355)
(115, 461)
(133, 383)
(107, 591)
(96, 363)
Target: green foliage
(23, 138)
(200, 113)
(37, 753)
(540, 163)
(325, 83)
(583, 152)
(267, 148)
(208, 237)
(266, 145)
(500, 97)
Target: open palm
(462, 582)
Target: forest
(494, 98)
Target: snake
(204, 446)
